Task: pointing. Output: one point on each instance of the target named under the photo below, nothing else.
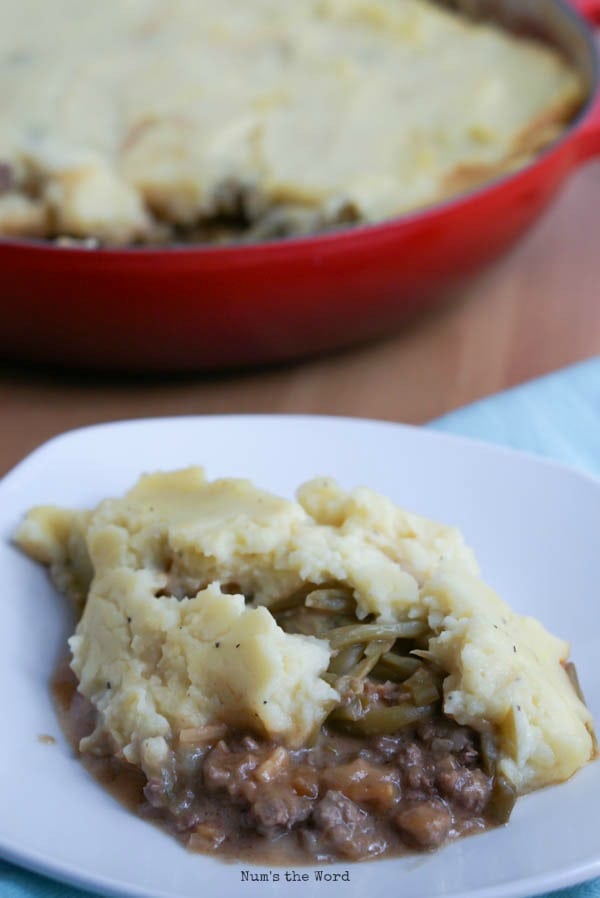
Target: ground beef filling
(347, 797)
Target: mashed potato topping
(176, 581)
(153, 120)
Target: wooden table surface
(535, 311)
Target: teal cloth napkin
(557, 416)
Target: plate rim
(426, 429)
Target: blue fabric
(18, 883)
(556, 416)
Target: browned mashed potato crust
(164, 120)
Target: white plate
(535, 528)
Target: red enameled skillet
(186, 308)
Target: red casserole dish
(206, 307)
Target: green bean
(502, 801)
(489, 753)
(424, 654)
(571, 672)
(286, 603)
(330, 678)
(343, 636)
(373, 653)
(311, 621)
(379, 647)
(381, 721)
(423, 686)
(395, 667)
(353, 710)
(330, 600)
(344, 660)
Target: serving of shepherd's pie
(321, 679)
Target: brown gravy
(345, 798)
(76, 718)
